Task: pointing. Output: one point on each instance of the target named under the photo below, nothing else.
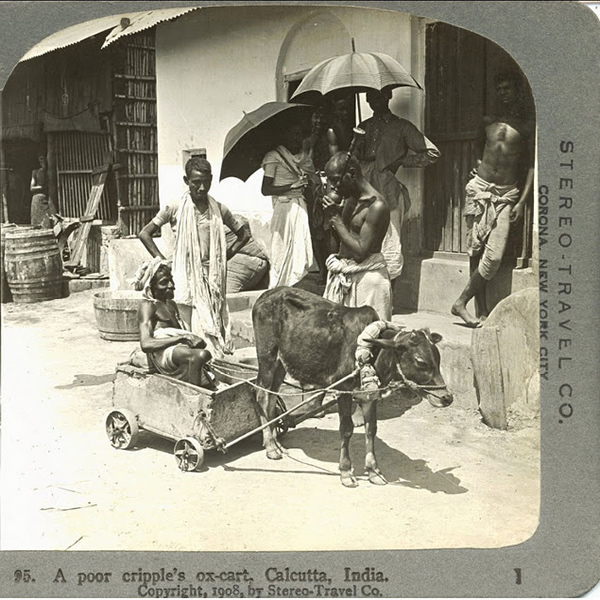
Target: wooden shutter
(135, 129)
(77, 155)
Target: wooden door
(77, 155)
(455, 104)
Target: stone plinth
(505, 355)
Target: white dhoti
(200, 290)
(291, 244)
(487, 212)
(355, 284)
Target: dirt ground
(453, 481)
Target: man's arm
(333, 145)
(236, 226)
(516, 212)
(371, 233)
(146, 236)
(528, 155)
(423, 152)
(242, 237)
(34, 186)
(268, 189)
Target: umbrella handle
(358, 133)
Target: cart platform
(196, 418)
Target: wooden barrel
(33, 265)
(5, 294)
(116, 315)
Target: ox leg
(346, 430)
(267, 404)
(369, 409)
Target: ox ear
(383, 344)
(435, 337)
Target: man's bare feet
(460, 310)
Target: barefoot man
(496, 195)
(358, 275)
(171, 349)
(200, 255)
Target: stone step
(73, 286)
(241, 301)
(455, 347)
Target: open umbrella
(256, 133)
(356, 72)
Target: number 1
(519, 579)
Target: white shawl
(204, 292)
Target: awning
(138, 21)
(72, 35)
(141, 21)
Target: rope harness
(416, 387)
(393, 385)
(279, 420)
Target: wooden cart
(195, 418)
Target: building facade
(180, 80)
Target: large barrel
(5, 294)
(33, 264)
(116, 315)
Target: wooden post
(52, 173)
(3, 178)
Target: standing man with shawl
(289, 178)
(200, 256)
(388, 144)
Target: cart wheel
(122, 429)
(189, 454)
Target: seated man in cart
(170, 348)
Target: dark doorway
(460, 71)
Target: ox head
(413, 355)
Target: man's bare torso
(354, 215)
(165, 315)
(506, 141)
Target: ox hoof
(358, 419)
(376, 477)
(275, 452)
(348, 479)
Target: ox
(313, 341)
